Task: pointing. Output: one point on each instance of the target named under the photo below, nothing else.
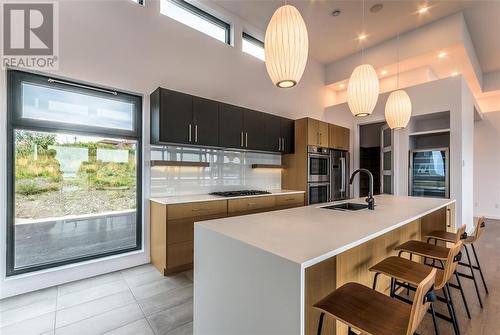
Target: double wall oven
(318, 175)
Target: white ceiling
(332, 38)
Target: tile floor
(135, 301)
(141, 301)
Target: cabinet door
(176, 116)
(339, 137)
(312, 132)
(230, 126)
(287, 135)
(323, 134)
(255, 131)
(273, 132)
(205, 122)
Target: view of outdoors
(76, 193)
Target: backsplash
(229, 170)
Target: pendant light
(398, 105)
(286, 47)
(363, 87)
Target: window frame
(206, 16)
(15, 122)
(253, 40)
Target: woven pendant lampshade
(286, 47)
(363, 90)
(398, 109)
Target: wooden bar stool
(438, 235)
(407, 273)
(374, 313)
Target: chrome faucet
(370, 200)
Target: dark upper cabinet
(230, 126)
(205, 122)
(287, 135)
(171, 115)
(273, 132)
(254, 130)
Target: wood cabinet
(338, 137)
(172, 226)
(183, 119)
(317, 133)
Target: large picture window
(74, 172)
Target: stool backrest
(454, 256)
(480, 224)
(420, 302)
(460, 233)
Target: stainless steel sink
(347, 206)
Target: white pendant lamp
(398, 106)
(363, 87)
(286, 47)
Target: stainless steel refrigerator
(339, 175)
(429, 174)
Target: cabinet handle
(279, 143)
(283, 144)
(320, 137)
(196, 133)
(199, 209)
(251, 204)
(241, 139)
(190, 132)
(246, 140)
(289, 199)
(448, 217)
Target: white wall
(449, 94)
(129, 47)
(487, 166)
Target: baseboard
(488, 216)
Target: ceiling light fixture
(454, 73)
(363, 86)
(442, 54)
(287, 46)
(342, 85)
(398, 105)
(383, 72)
(423, 10)
(362, 37)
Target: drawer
(180, 254)
(290, 200)
(249, 205)
(181, 230)
(197, 209)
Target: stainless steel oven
(318, 193)
(318, 165)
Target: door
(176, 116)
(230, 126)
(339, 175)
(287, 135)
(273, 133)
(318, 167)
(255, 131)
(429, 176)
(318, 193)
(386, 160)
(205, 122)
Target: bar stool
(407, 273)
(374, 313)
(438, 235)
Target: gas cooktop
(239, 193)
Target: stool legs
(434, 321)
(479, 268)
(473, 276)
(320, 324)
(451, 309)
(462, 293)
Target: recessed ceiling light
(423, 10)
(376, 8)
(342, 85)
(383, 72)
(442, 54)
(454, 73)
(336, 12)
(362, 37)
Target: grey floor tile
(186, 329)
(103, 322)
(35, 326)
(139, 327)
(170, 319)
(137, 270)
(26, 312)
(88, 283)
(166, 300)
(78, 297)
(160, 286)
(143, 278)
(28, 298)
(94, 307)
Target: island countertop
(311, 234)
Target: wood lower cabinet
(172, 226)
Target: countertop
(311, 234)
(207, 197)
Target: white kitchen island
(261, 274)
